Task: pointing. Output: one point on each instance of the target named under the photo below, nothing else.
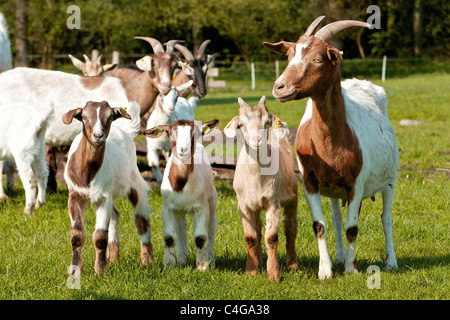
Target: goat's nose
(278, 86)
(98, 135)
(183, 150)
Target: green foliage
(237, 27)
(35, 251)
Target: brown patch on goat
(146, 253)
(113, 251)
(92, 83)
(142, 224)
(319, 229)
(179, 174)
(100, 239)
(133, 197)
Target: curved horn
(156, 45)
(314, 25)
(327, 32)
(185, 51)
(201, 50)
(171, 43)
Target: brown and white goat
(187, 187)
(345, 145)
(256, 189)
(194, 69)
(102, 167)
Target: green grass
(35, 250)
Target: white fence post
(253, 75)
(383, 70)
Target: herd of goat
(345, 147)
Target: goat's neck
(329, 110)
(86, 162)
(179, 173)
(141, 89)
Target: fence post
(253, 75)
(277, 68)
(383, 70)
(115, 57)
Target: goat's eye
(317, 60)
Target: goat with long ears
(345, 145)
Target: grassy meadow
(35, 251)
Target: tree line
(237, 27)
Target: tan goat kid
(264, 179)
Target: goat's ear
(145, 63)
(231, 128)
(208, 126)
(279, 127)
(157, 131)
(120, 113)
(70, 115)
(109, 67)
(210, 58)
(279, 47)
(187, 69)
(184, 86)
(77, 63)
(333, 55)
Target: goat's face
(96, 118)
(89, 68)
(160, 67)
(182, 135)
(196, 70)
(312, 67)
(255, 124)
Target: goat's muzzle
(283, 93)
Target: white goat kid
(92, 69)
(102, 167)
(22, 139)
(166, 106)
(187, 187)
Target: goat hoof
(28, 209)
(325, 273)
(293, 266)
(38, 204)
(274, 275)
(4, 197)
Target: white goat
(265, 179)
(166, 108)
(187, 187)
(345, 144)
(22, 139)
(59, 92)
(102, 167)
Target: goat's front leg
(290, 230)
(319, 227)
(113, 236)
(252, 226)
(336, 215)
(170, 235)
(3, 195)
(388, 199)
(351, 231)
(76, 204)
(201, 236)
(271, 239)
(104, 210)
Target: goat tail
(130, 127)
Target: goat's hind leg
(290, 231)
(386, 218)
(138, 197)
(76, 206)
(113, 236)
(103, 213)
(201, 236)
(24, 167)
(3, 195)
(40, 169)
